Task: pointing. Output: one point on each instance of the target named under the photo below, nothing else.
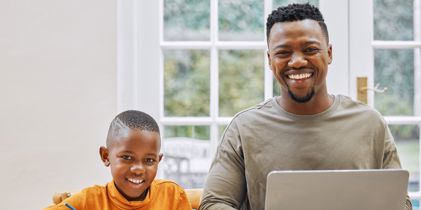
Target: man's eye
(283, 53)
(311, 50)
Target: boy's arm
(67, 202)
(226, 184)
(183, 202)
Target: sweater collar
(120, 201)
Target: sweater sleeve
(183, 201)
(75, 201)
(391, 159)
(226, 183)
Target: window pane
(393, 20)
(186, 83)
(241, 20)
(394, 69)
(407, 142)
(186, 20)
(186, 155)
(278, 3)
(241, 80)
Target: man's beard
(303, 99)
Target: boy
(132, 152)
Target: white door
(384, 48)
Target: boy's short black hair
(295, 12)
(132, 119)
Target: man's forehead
(295, 27)
(294, 30)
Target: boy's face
(133, 157)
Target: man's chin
(301, 99)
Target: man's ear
(269, 60)
(329, 52)
(104, 153)
(160, 157)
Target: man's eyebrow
(312, 42)
(280, 46)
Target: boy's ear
(160, 157)
(103, 152)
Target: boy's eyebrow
(131, 152)
(151, 154)
(127, 151)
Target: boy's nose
(137, 168)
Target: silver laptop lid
(337, 190)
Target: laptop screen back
(337, 190)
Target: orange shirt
(162, 195)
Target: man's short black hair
(295, 12)
(131, 119)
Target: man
(304, 128)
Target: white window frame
(140, 59)
(362, 46)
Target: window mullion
(417, 59)
(268, 73)
(214, 82)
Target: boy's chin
(138, 197)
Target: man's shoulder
(255, 110)
(350, 105)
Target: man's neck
(318, 104)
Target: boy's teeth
(299, 76)
(136, 181)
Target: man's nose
(297, 61)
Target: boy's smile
(133, 158)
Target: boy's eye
(127, 157)
(150, 161)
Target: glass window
(393, 20)
(241, 20)
(186, 154)
(241, 80)
(394, 69)
(186, 82)
(186, 20)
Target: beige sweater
(349, 135)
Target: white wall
(57, 96)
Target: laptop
(381, 189)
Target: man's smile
(300, 76)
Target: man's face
(134, 159)
(299, 57)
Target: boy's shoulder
(95, 189)
(166, 183)
(164, 186)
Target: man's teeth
(299, 76)
(136, 181)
